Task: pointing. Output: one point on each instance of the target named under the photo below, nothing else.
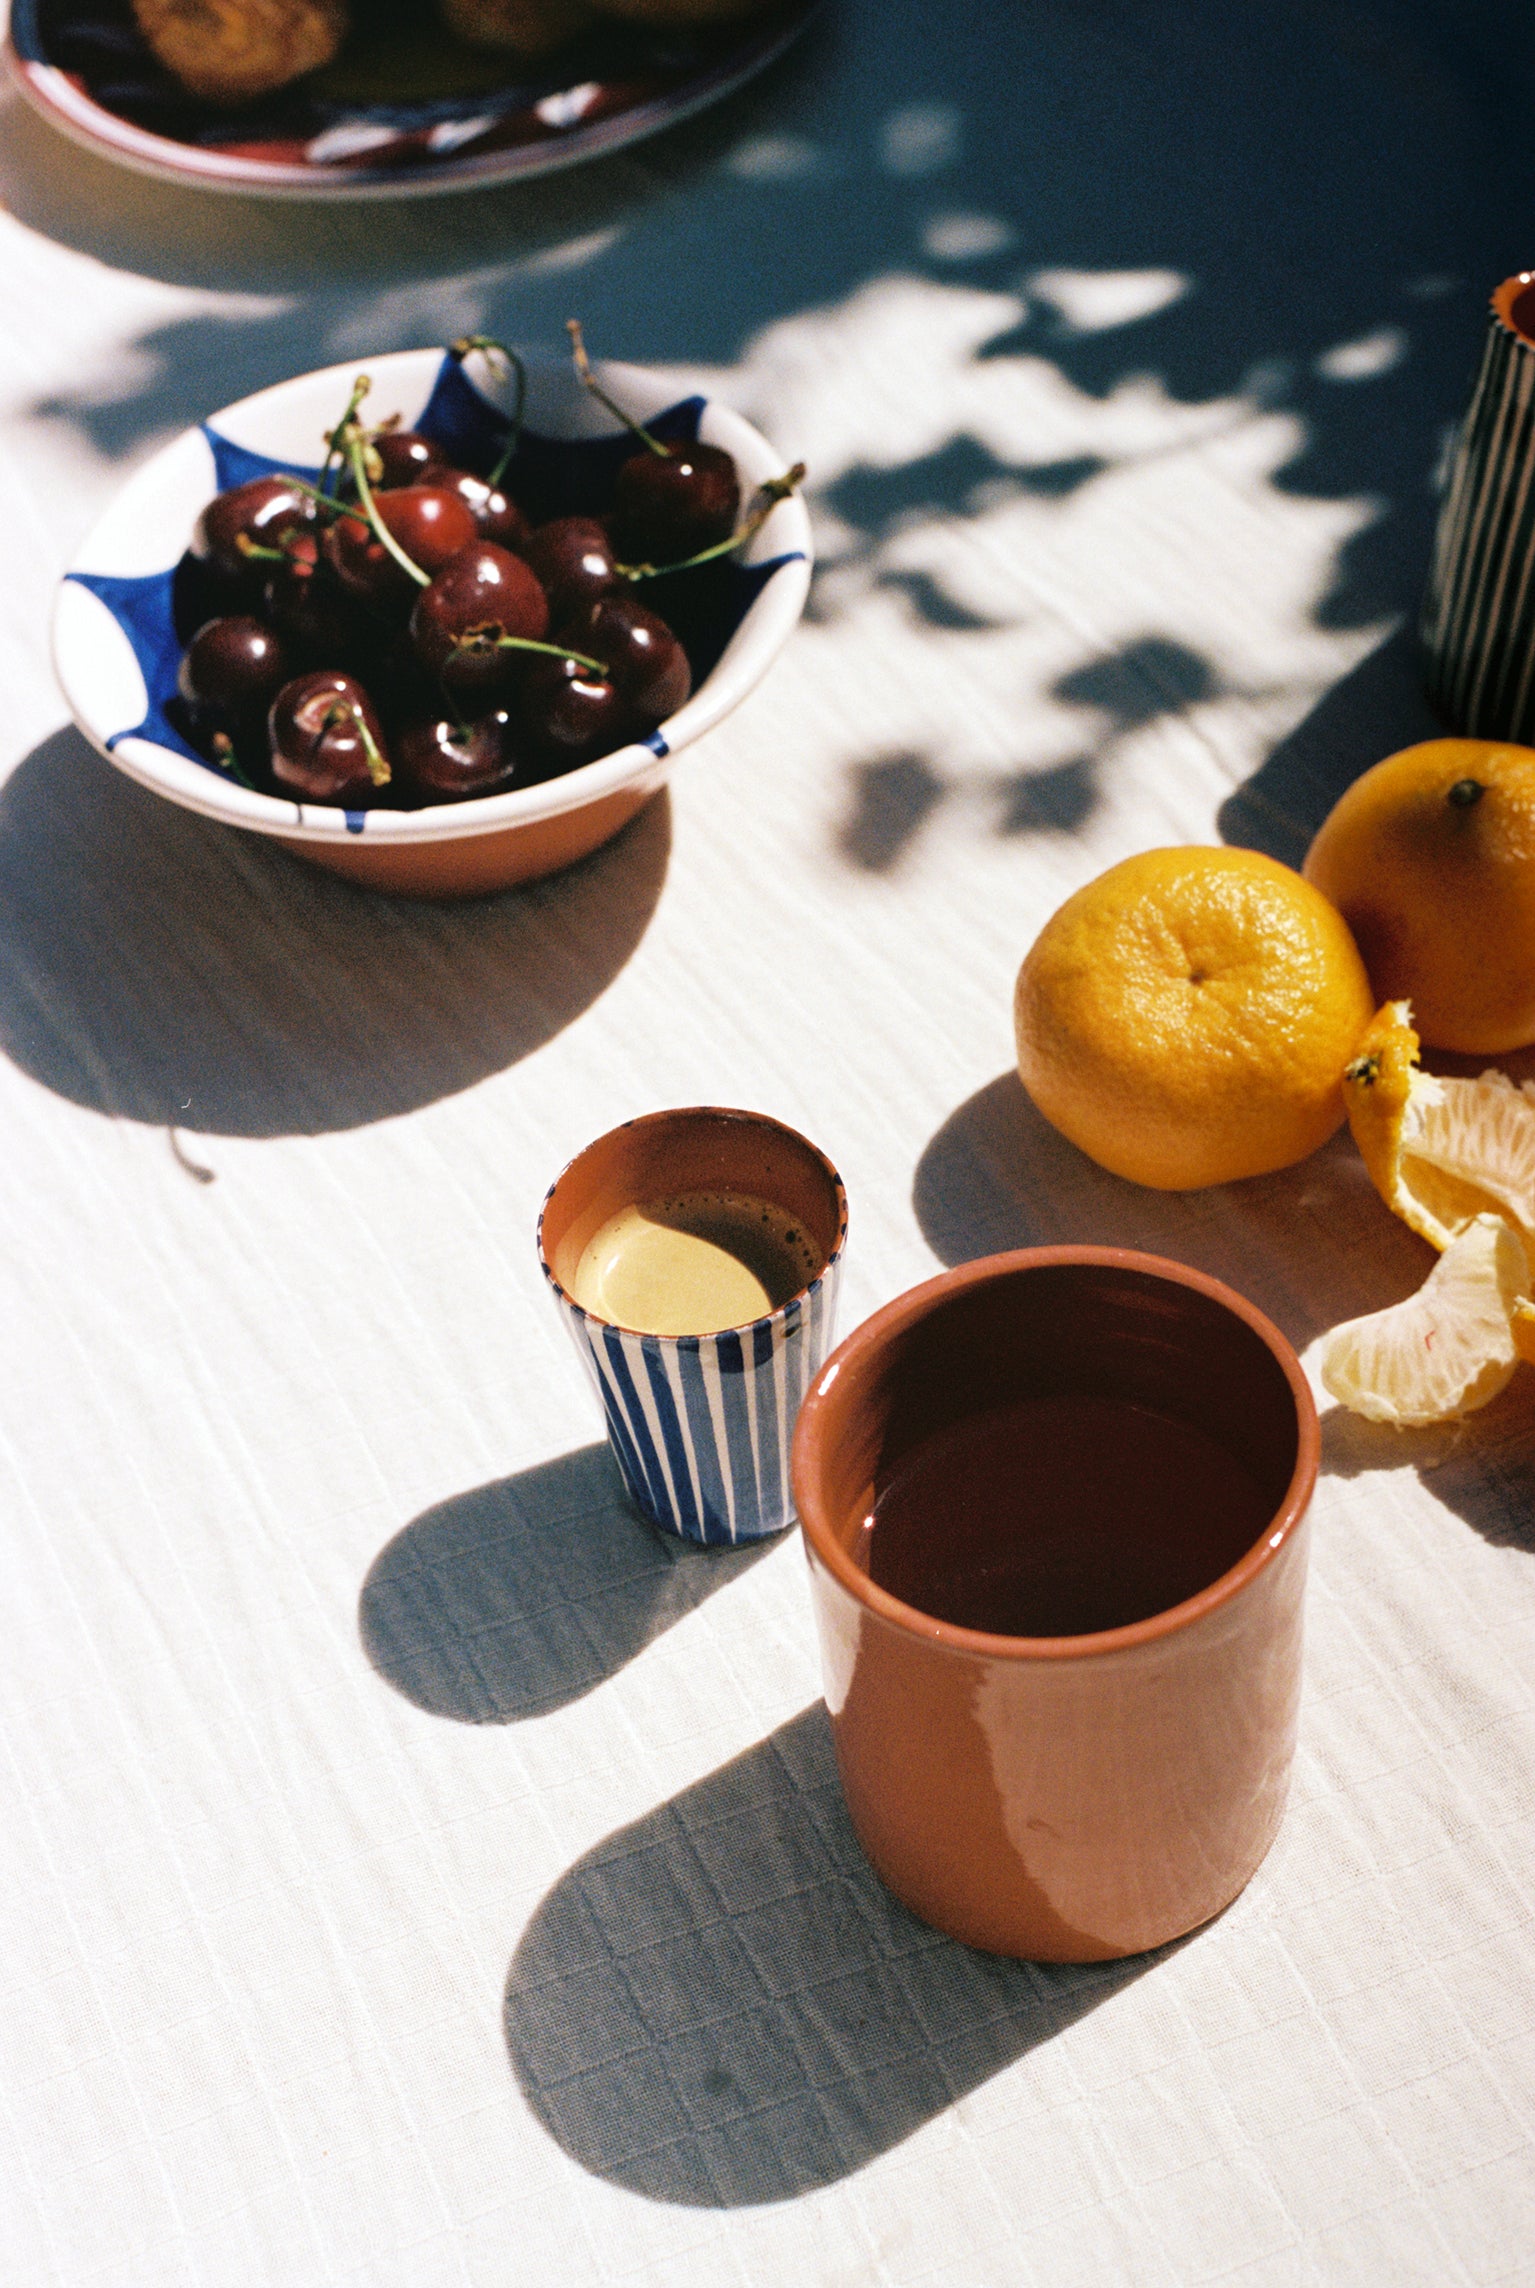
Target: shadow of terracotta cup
(1055, 1506)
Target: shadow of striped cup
(1478, 624)
(700, 1422)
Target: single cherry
(569, 716)
(237, 663)
(327, 742)
(485, 593)
(430, 524)
(494, 511)
(260, 512)
(441, 761)
(573, 558)
(643, 658)
(399, 686)
(316, 618)
(405, 458)
(670, 501)
(668, 506)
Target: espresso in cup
(695, 1262)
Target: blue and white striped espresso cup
(700, 1423)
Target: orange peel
(1441, 1152)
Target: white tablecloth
(413, 1873)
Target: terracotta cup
(700, 1424)
(1066, 1798)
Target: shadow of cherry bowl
(127, 607)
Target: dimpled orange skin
(1186, 1018)
(1440, 892)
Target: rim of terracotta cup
(699, 1112)
(907, 1311)
(1505, 297)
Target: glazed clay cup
(1069, 1798)
(700, 1424)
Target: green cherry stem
(326, 500)
(335, 439)
(768, 497)
(490, 349)
(254, 553)
(224, 756)
(381, 531)
(347, 710)
(584, 369)
(474, 639)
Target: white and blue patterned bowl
(701, 1425)
(121, 617)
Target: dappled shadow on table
(1368, 714)
(722, 2004)
(1483, 1469)
(978, 152)
(171, 970)
(518, 1597)
(1079, 206)
(892, 797)
(1310, 1245)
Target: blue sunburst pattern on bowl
(159, 611)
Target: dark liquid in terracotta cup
(1061, 1515)
(1521, 313)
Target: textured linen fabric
(414, 1871)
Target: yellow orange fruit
(1440, 1151)
(1430, 858)
(1444, 1351)
(1185, 1018)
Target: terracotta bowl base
(473, 865)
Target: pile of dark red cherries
(398, 634)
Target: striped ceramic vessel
(1479, 613)
(700, 1425)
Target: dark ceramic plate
(409, 111)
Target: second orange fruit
(1186, 1018)
(1430, 857)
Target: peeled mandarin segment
(1440, 1151)
(1184, 1018)
(1430, 858)
(1448, 1349)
